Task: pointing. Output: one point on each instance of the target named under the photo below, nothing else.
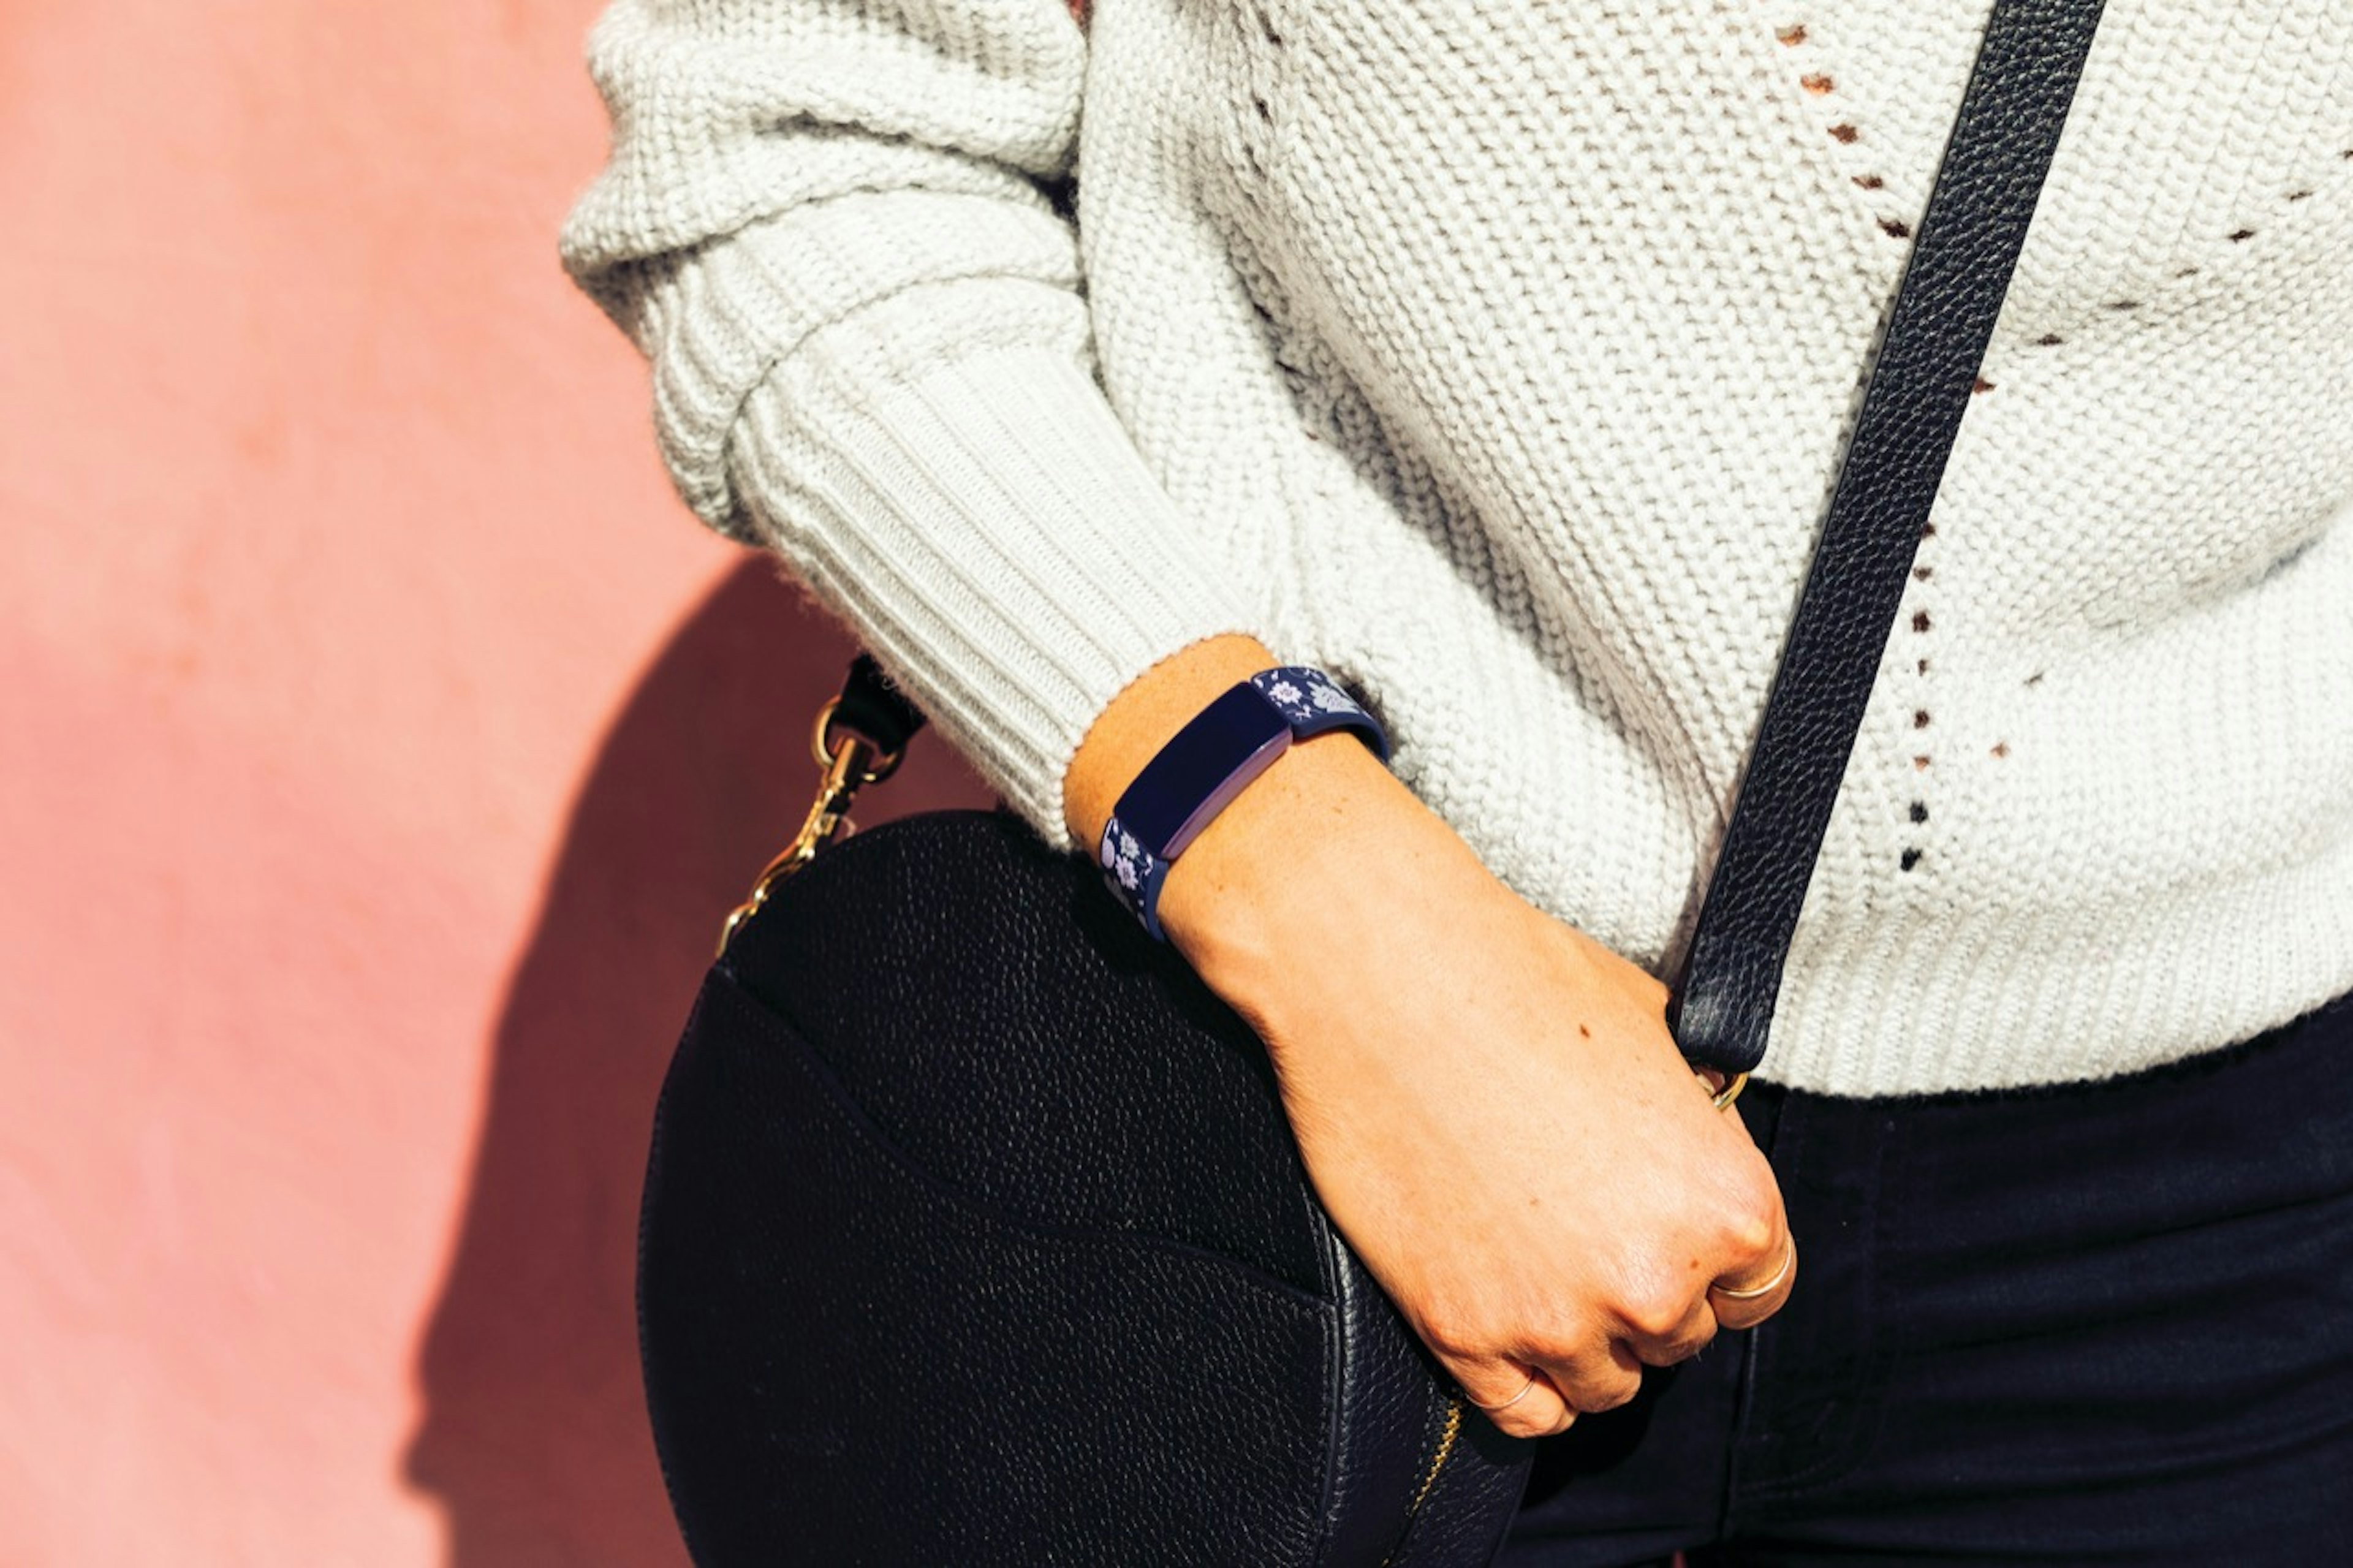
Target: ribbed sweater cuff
(892, 389)
(989, 532)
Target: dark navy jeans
(2095, 1323)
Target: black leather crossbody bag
(974, 1233)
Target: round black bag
(974, 1233)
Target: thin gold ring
(1750, 1292)
(1525, 1389)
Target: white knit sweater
(1497, 355)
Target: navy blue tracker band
(1206, 764)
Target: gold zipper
(1446, 1439)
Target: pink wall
(379, 741)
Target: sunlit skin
(1488, 1102)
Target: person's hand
(1488, 1102)
(1494, 1116)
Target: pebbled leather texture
(2000, 149)
(974, 1233)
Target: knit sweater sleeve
(833, 230)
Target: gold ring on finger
(1525, 1389)
(1750, 1292)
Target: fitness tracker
(1209, 761)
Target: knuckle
(1573, 1341)
(1610, 1390)
(1453, 1333)
(1589, 1375)
(1523, 1423)
(1655, 1310)
(1752, 1219)
(1689, 1338)
(1686, 1346)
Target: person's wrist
(1142, 719)
(1280, 850)
(1325, 840)
(1321, 850)
(1279, 838)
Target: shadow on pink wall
(533, 1437)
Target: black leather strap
(872, 705)
(1994, 163)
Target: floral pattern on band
(1311, 702)
(1133, 873)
